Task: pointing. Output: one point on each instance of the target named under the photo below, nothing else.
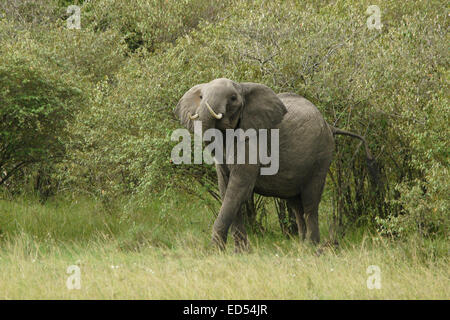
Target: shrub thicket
(136, 59)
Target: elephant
(306, 145)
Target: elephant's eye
(201, 97)
(233, 98)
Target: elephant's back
(300, 110)
(302, 118)
(306, 144)
(304, 133)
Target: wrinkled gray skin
(306, 150)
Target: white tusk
(195, 116)
(215, 115)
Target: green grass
(162, 252)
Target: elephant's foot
(240, 240)
(330, 245)
(219, 241)
(314, 240)
(242, 247)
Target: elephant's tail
(371, 163)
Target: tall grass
(122, 254)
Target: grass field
(162, 252)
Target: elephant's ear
(188, 105)
(262, 108)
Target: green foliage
(133, 60)
(149, 25)
(36, 101)
(47, 72)
(27, 13)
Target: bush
(149, 25)
(47, 74)
(136, 59)
(36, 101)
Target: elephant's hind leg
(296, 205)
(311, 195)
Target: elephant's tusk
(215, 115)
(195, 116)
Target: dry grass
(163, 252)
(155, 273)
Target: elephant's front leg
(239, 189)
(237, 227)
(239, 233)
